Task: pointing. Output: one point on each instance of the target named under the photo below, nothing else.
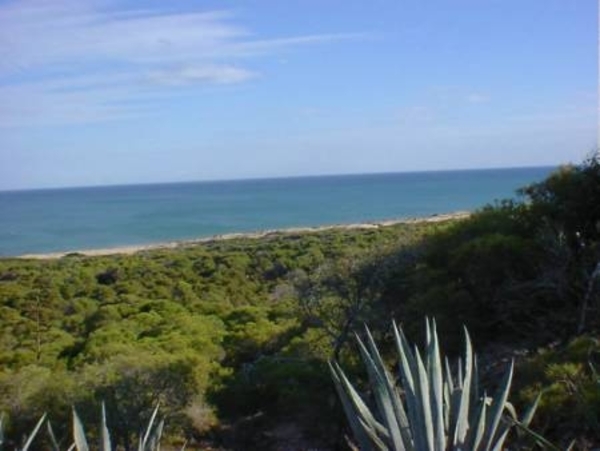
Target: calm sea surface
(86, 218)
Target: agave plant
(430, 410)
(29, 439)
(149, 440)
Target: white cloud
(37, 34)
(66, 60)
(478, 98)
(219, 74)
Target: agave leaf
(455, 398)
(106, 445)
(538, 438)
(343, 396)
(361, 407)
(455, 394)
(408, 374)
(79, 433)
(146, 436)
(405, 429)
(462, 419)
(72, 447)
(528, 415)
(1, 429)
(422, 387)
(53, 440)
(477, 436)
(34, 433)
(405, 352)
(448, 390)
(154, 442)
(449, 379)
(512, 412)
(446, 406)
(353, 405)
(475, 393)
(376, 442)
(436, 390)
(388, 402)
(594, 371)
(427, 333)
(498, 405)
(459, 376)
(498, 446)
(506, 421)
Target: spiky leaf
(34, 433)
(106, 445)
(81, 443)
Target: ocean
(71, 219)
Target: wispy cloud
(478, 98)
(65, 61)
(219, 74)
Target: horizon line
(276, 177)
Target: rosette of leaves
(29, 439)
(430, 409)
(148, 440)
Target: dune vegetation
(233, 338)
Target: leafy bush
(568, 378)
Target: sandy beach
(128, 250)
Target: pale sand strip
(128, 250)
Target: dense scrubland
(233, 337)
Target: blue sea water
(71, 219)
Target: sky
(101, 92)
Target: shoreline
(133, 249)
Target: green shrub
(567, 376)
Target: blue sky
(96, 92)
